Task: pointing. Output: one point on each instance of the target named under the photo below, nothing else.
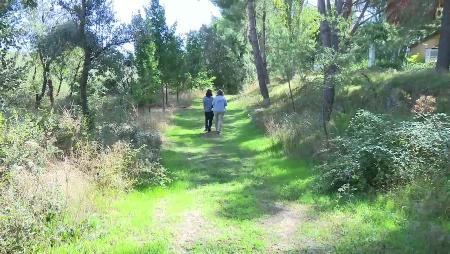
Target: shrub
(114, 132)
(27, 144)
(30, 212)
(68, 131)
(296, 132)
(378, 154)
(121, 166)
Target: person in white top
(219, 107)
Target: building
(397, 11)
(426, 48)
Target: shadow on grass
(242, 155)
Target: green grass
(229, 195)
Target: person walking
(219, 107)
(208, 108)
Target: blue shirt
(219, 104)
(208, 103)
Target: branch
(358, 22)
(113, 43)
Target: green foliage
(223, 57)
(2, 137)
(377, 154)
(200, 81)
(415, 59)
(159, 54)
(27, 144)
(146, 63)
(292, 44)
(31, 213)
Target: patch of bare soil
(193, 229)
(161, 210)
(211, 135)
(282, 227)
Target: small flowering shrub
(378, 154)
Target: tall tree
(160, 34)
(292, 36)
(146, 61)
(330, 34)
(263, 39)
(11, 74)
(98, 32)
(261, 69)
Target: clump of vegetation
(378, 154)
(33, 206)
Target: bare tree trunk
(263, 40)
(328, 41)
(59, 87)
(162, 98)
(75, 75)
(45, 73)
(167, 95)
(292, 95)
(178, 95)
(84, 82)
(50, 93)
(253, 38)
(443, 62)
(87, 61)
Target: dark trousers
(209, 116)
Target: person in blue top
(219, 107)
(208, 108)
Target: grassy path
(232, 194)
(237, 187)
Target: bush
(120, 167)
(30, 213)
(26, 143)
(295, 132)
(378, 154)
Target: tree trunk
(253, 38)
(328, 41)
(59, 87)
(60, 79)
(292, 95)
(50, 93)
(443, 62)
(178, 95)
(162, 98)
(167, 95)
(84, 82)
(45, 73)
(74, 79)
(264, 41)
(87, 60)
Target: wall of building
(432, 42)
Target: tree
(261, 69)
(160, 34)
(146, 61)
(49, 48)
(331, 33)
(292, 37)
(97, 33)
(11, 74)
